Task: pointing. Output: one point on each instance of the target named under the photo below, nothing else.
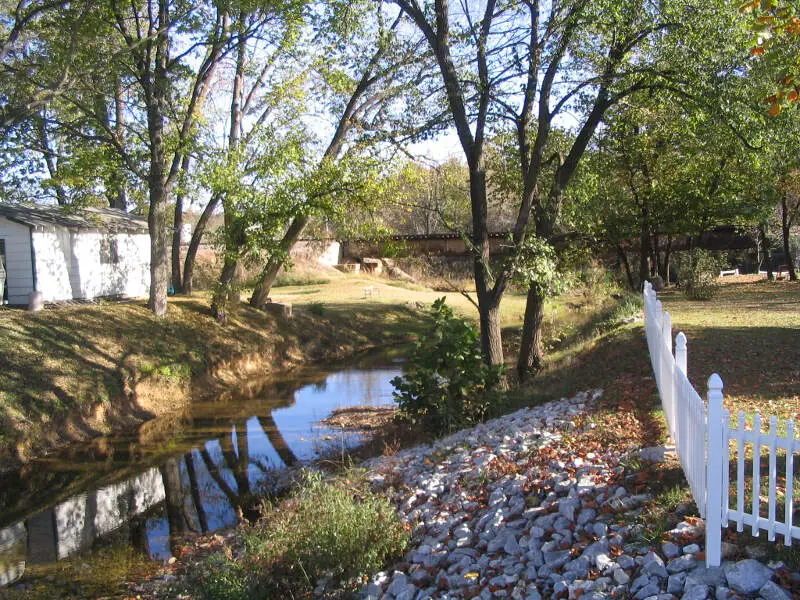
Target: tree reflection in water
(150, 496)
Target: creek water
(193, 471)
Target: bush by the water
(446, 384)
(330, 533)
(628, 307)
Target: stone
(654, 453)
(675, 583)
(399, 583)
(682, 563)
(706, 576)
(280, 309)
(696, 592)
(512, 546)
(651, 589)
(556, 559)
(722, 593)
(372, 265)
(746, 576)
(408, 593)
(640, 582)
(373, 592)
(670, 550)
(691, 549)
(567, 507)
(621, 577)
(772, 591)
(654, 564)
(600, 530)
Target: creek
(195, 471)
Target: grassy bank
(77, 371)
(591, 343)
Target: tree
(427, 199)
(369, 96)
(526, 64)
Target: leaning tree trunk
(273, 266)
(197, 236)
(530, 351)
(177, 231)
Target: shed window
(109, 254)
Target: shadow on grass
(760, 366)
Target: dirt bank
(72, 373)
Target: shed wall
(18, 260)
(69, 264)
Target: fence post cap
(715, 382)
(680, 340)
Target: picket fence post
(681, 352)
(714, 466)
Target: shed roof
(42, 217)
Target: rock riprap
(508, 509)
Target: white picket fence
(703, 435)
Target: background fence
(703, 435)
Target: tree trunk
(157, 91)
(120, 197)
(197, 236)
(173, 489)
(655, 256)
(667, 256)
(274, 264)
(786, 231)
(197, 499)
(176, 243)
(530, 351)
(623, 259)
(159, 263)
(644, 246)
(491, 333)
(223, 295)
(177, 230)
(767, 254)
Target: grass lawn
(750, 336)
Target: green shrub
(220, 578)
(331, 531)
(699, 274)
(446, 384)
(316, 308)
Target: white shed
(68, 253)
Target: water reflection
(191, 472)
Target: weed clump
(328, 535)
(446, 384)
